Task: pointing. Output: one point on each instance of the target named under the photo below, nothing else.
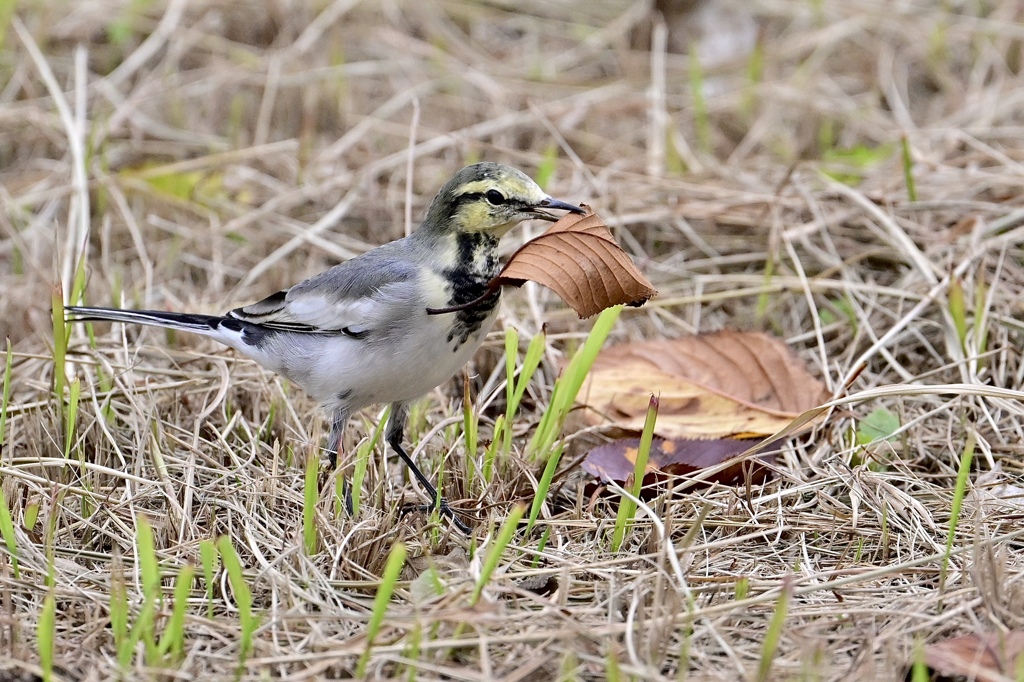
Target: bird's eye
(495, 197)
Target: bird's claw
(443, 508)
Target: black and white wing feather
(355, 298)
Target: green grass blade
(774, 633)
(919, 669)
(470, 429)
(208, 557)
(60, 343)
(6, 400)
(148, 564)
(516, 387)
(958, 310)
(644, 450)
(495, 551)
(531, 361)
(545, 535)
(243, 596)
(501, 427)
(45, 634)
(627, 507)
(363, 454)
(908, 170)
(143, 629)
(962, 474)
(50, 533)
(511, 355)
(568, 386)
(31, 515)
(119, 618)
(550, 467)
(981, 317)
(7, 531)
(503, 431)
(172, 641)
(612, 672)
(392, 569)
(149, 567)
(78, 285)
(75, 391)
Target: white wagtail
(359, 333)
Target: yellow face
(497, 202)
(489, 197)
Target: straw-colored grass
(198, 156)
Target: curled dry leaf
(578, 259)
(616, 461)
(725, 384)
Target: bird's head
(491, 198)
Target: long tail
(200, 324)
(245, 337)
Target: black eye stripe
(478, 196)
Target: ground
(843, 175)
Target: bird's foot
(444, 510)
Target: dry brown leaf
(725, 384)
(986, 657)
(579, 259)
(616, 461)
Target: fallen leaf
(578, 259)
(616, 461)
(724, 384)
(985, 657)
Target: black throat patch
(467, 281)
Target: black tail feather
(155, 318)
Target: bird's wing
(355, 298)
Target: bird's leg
(394, 433)
(338, 421)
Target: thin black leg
(338, 421)
(394, 432)
(346, 491)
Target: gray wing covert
(354, 298)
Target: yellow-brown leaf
(717, 385)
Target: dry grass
(191, 144)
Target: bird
(367, 331)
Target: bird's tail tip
(156, 318)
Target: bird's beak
(556, 204)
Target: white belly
(343, 372)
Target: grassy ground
(850, 183)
